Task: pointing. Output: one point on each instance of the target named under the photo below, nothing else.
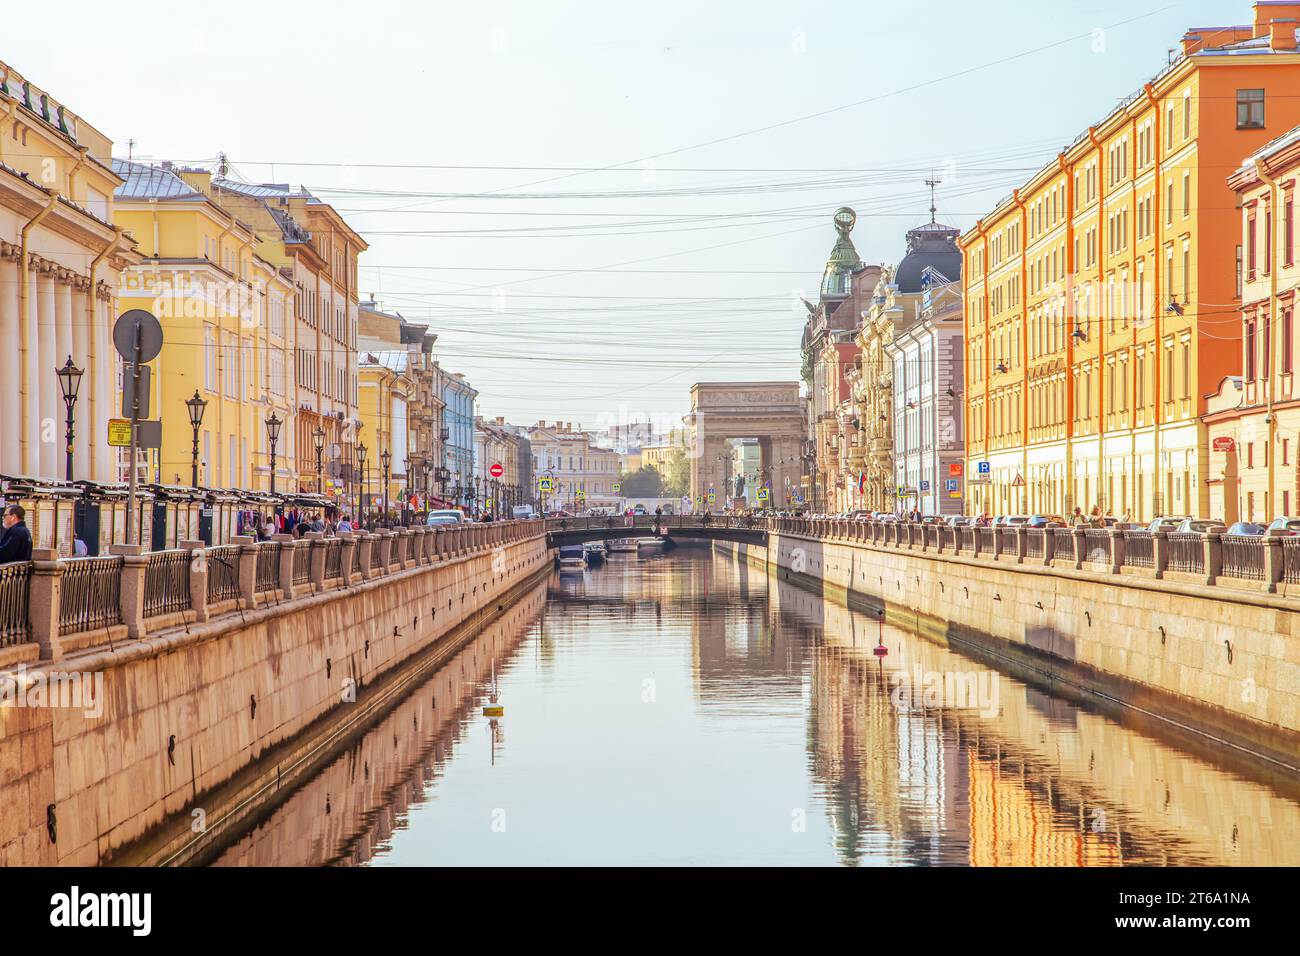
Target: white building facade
(926, 355)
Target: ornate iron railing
(167, 583)
(90, 594)
(223, 573)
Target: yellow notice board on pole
(119, 432)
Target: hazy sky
(593, 305)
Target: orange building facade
(1102, 297)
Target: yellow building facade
(1101, 295)
(223, 311)
(60, 262)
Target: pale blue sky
(585, 84)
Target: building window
(1288, 233)
(1250, 109)
(1288, 341)
(1249, 357)
(1250, 248)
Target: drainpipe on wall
(26, 331)
(1274, 263)
(1102, 256)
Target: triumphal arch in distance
(771, 412)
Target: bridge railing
(71, 603)
(1270, 563)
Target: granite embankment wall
(1222, 662)
(190, 716)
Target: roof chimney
(1281, 35)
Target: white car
(447, 516)
(522, 511)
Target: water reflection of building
(351, 808)
(1034, 781)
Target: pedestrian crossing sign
(712, 497)
(762, 494)
(580, 493)
(617, 487)
(543, 484)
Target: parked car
(1010, 521)
(522, 511)
(1284, 526)
(1045, 521)
(1200, 525)
(958, 521)
(1248, 528)
(1167, 523)
(444, 516)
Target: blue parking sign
(982, 467)
(925, 485)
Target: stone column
(131, 597)
(43, 602)
(367, 543)
(1116, 550)
(348, 547)
(287, 542)
(385, 545)
(319, 546)
(10, 340)
(1080, 547)
(83, 412)
(1213, 556)
(1160, 552)
(1274, 565)
(439, 543)
(198, 577)
(44, 392)
(1049, 546)
(247, 568)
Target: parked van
(522, 511)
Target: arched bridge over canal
(562, 531)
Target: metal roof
(395, 360)
(143, 181)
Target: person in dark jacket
(15, 540)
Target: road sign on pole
(138, 338)
(496, 471)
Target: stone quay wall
(172, 700)
(1215, 660)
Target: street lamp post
(386, 458)
(69, 382)
(318, 436)
(196, 407)
(273, 435)
(365, 484)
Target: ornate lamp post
(273, 435)
(69, 382)
(386, 458)
(318, 437)
(365, 483)
(196, 407)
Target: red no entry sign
(496, 471)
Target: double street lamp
(386, 458)
(196, 407)
(365, 483)
(318, 437)
(69, 382)
(273, 424)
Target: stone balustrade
(49, 606)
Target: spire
(932, 182)
(844, 259)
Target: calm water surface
(681, 709)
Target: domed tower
(931, 246)
(844, 261)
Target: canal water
(683, 709)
